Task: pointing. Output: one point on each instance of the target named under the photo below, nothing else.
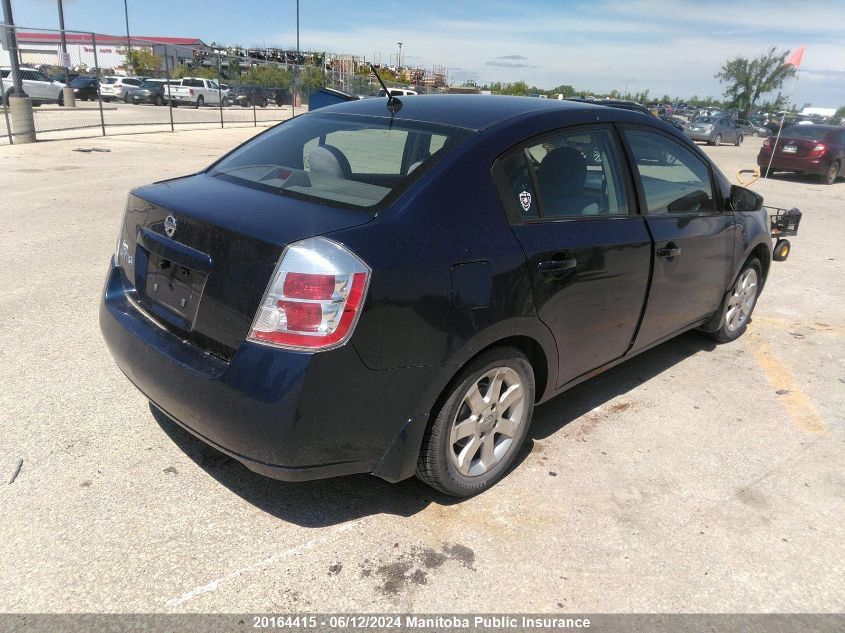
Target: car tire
(248, 103)
(159, 100)
(738, 304)
(224, 103)
(717, 140)
(832, 173)
(754, 134)
(739, 140)
(200, 102)
(127, 99)
(453, 461)
(264, 103)
(60, 100)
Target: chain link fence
(125, 85)
(148, 84)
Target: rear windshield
(350, 161)
(80, 82)
(810, 132)
(110, 80)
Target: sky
(671, 47)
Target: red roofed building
(37, 48)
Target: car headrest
(329, 161)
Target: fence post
(169, 93)
(252, 97)
(99, 94)
(219, 92)
(6, 109)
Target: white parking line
(270, 560)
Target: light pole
(399, 62)
(128, 41)
(296, 66)
(626, 85)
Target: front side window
(352, 161)
(576, 174)
(674, 180)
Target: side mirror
(743, 199)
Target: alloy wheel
(741, 302)
(487, 421)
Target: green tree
(143, 61)
(749, 79)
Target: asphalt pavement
(694, 478)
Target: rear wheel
(159, 100)
(717, 140)
(479, 429)
(200, 102)
(832, 173)
(739, 140)
(264, 103)
(739, 303)
(127, 98)
(61, 99)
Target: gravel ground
(693, 478)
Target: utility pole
(128, 40)
(296, 81)
(399, 61)
(67, 92)
(14, 58)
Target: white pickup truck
(198, 92)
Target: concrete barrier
(69, 97)
(23, 123)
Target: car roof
(474, 112)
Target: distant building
(38, 49)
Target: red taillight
(818, 150)
(314, 298)
(307, 286)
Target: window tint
(577, 175)
(674, 179)
(352, 161)
(212, 85)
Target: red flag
(796, 57)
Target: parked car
(282, 96)
(613, 103)
(714, 130)
(751, 128)
(198, 92)
(61, 77)
(115, 87)
(247, 96)
(331, 298)
(153, 91)
(674, 121)
(806, 149)
(85, 88)
(37, 86)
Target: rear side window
(674, 180)
(573, 174)
(351, 161)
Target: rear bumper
(287, 415)
(781, 161)
(700, 136)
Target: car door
(572, 208)
(693, 234)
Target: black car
(85, 88)
(247, 96)
(391, 291)
(153, 91)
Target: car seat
(561, 176)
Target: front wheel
(832, 173)
(739, 140)
(479, 429)
(739, 303)
(717, 140)
(159, 100)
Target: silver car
(714, 130)
(750, 128)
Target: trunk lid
(199, 252)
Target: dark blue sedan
(364, 290)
